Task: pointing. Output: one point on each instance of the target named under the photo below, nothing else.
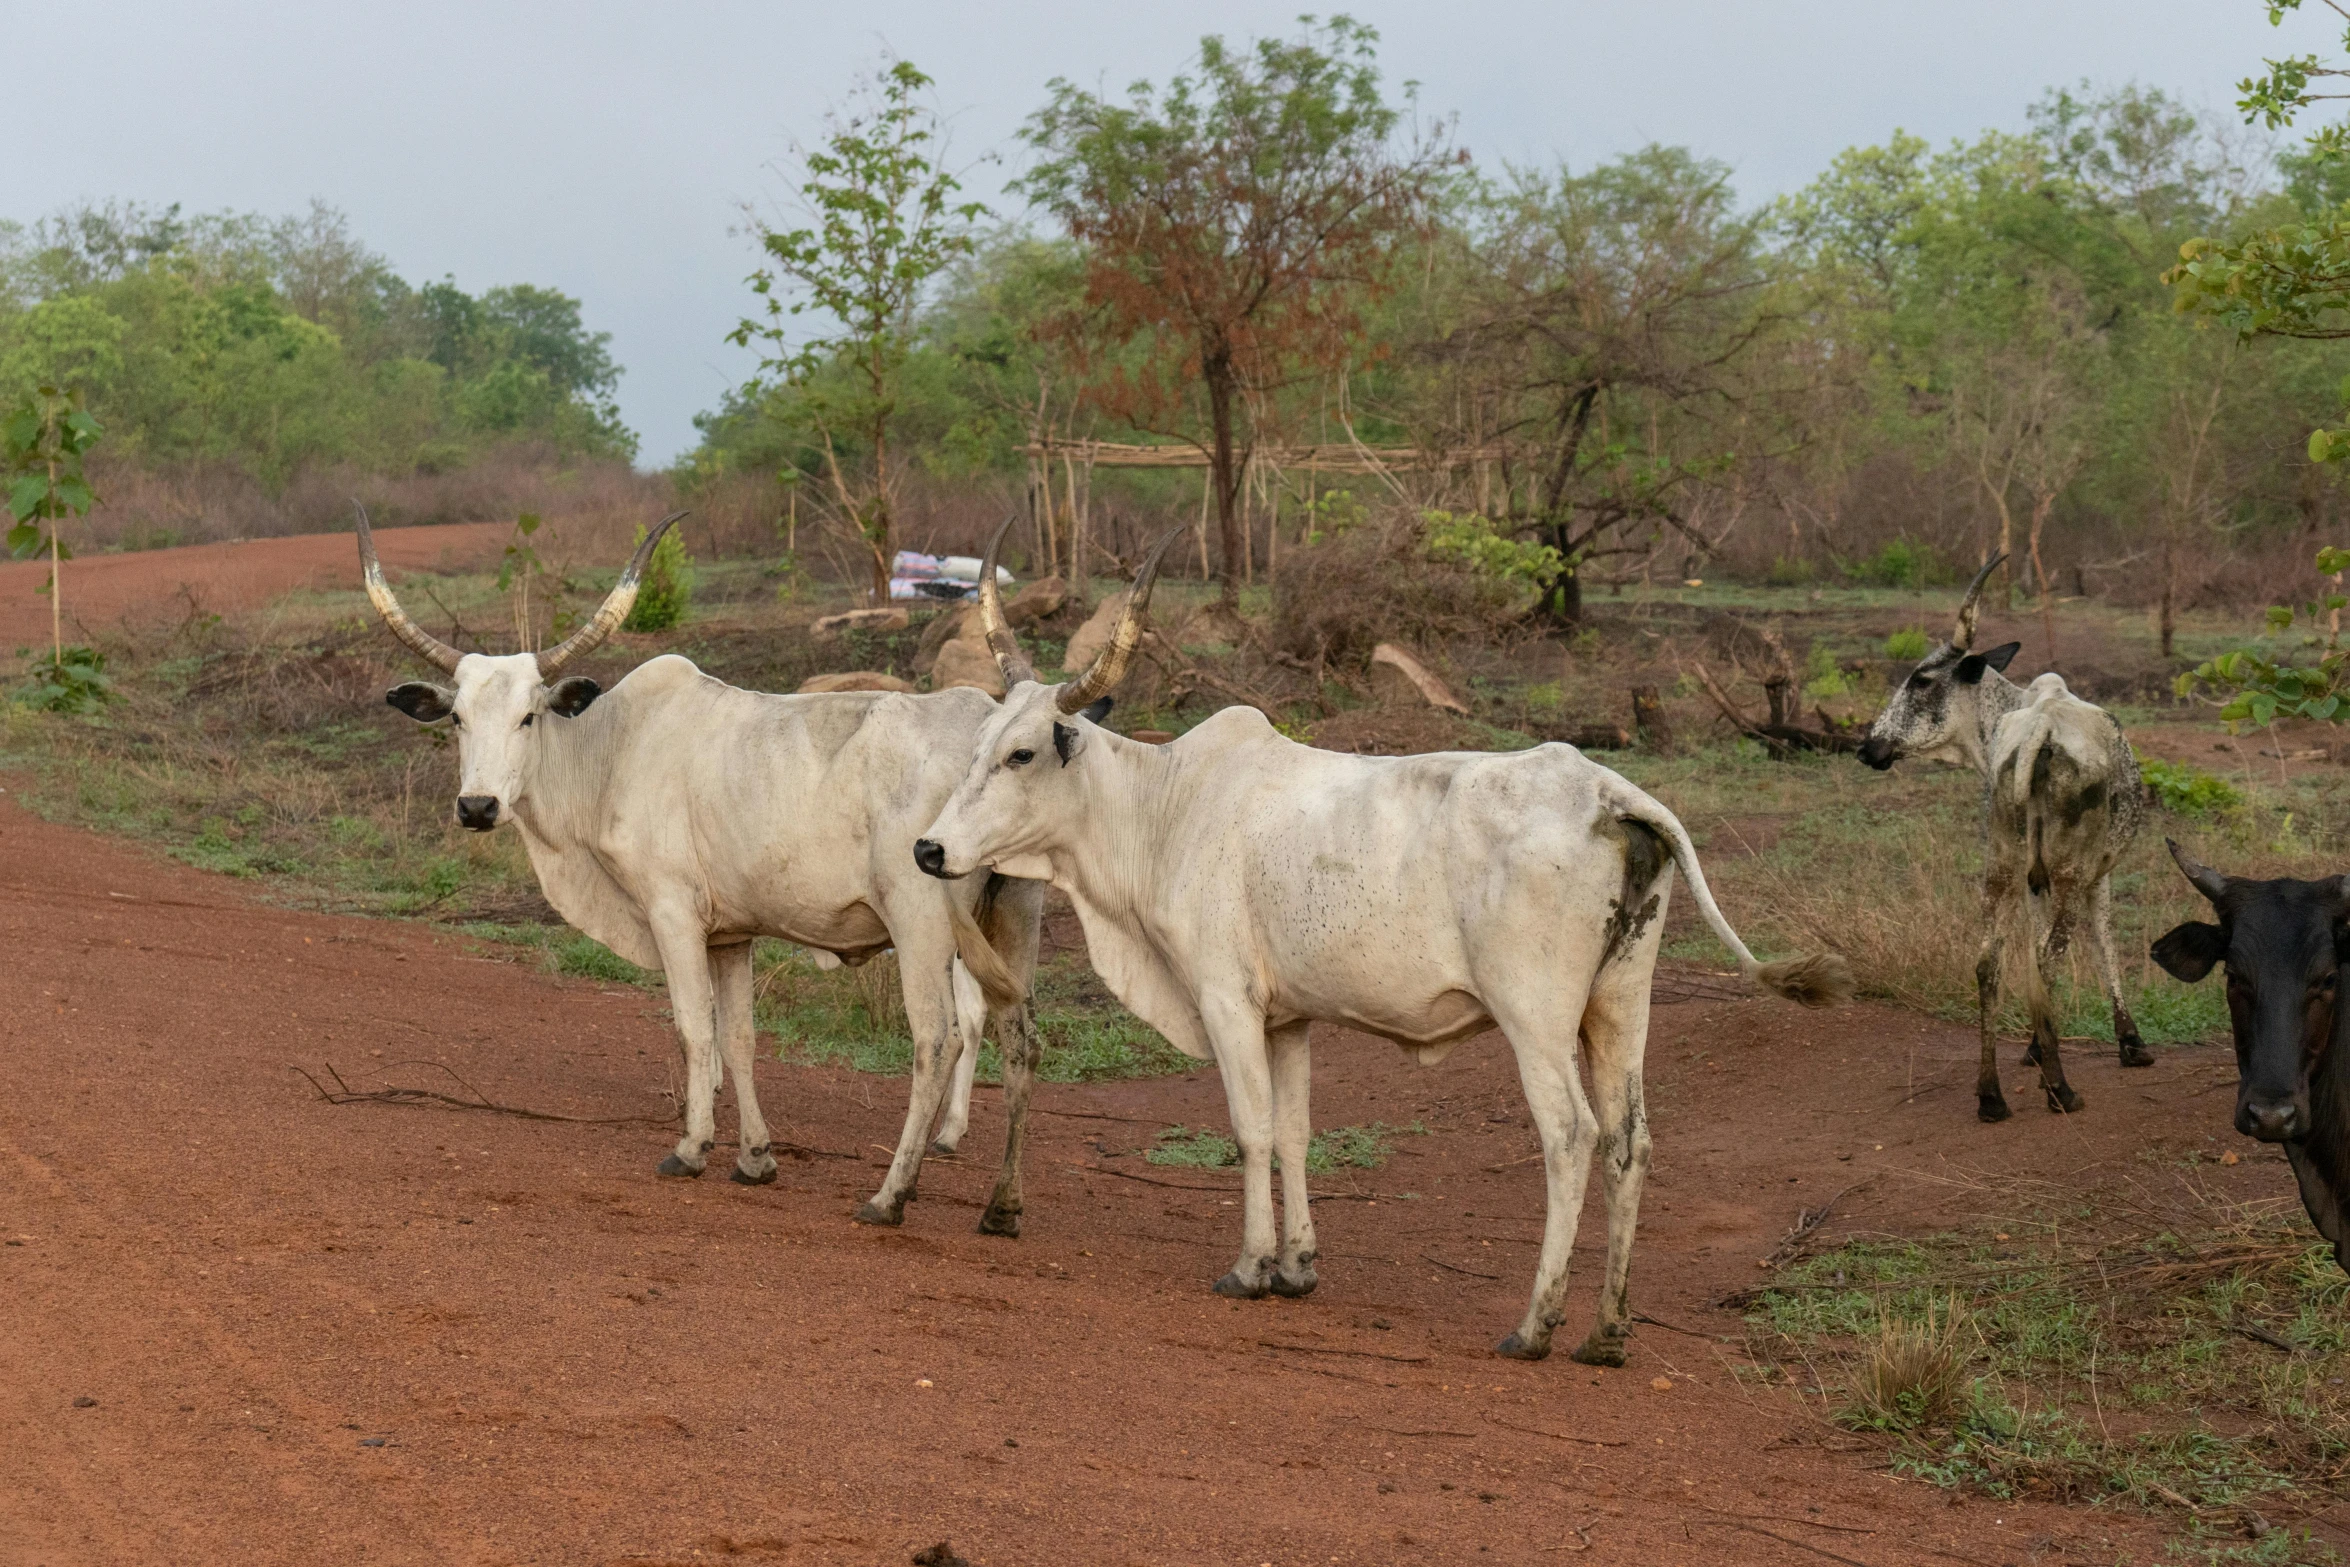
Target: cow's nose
(931, 857)
(2272, 1121)
(1876, 753)
(477, 811)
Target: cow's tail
(1821, 980)
(2039, 731)
(997, 982)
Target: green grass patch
(562, 950)
(2129, 1368)
(1340, 1148)
(856, 1018)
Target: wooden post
(1648, 716)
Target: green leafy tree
(884, 222)
(45, 437)
(1235, 223)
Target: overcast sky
(604, 149)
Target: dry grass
(1915, 1372)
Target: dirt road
(238, 1324)
(144, 588)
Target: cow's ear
(572, 695)
(2189, 952)
(1971, 667)
(1095, 711)
(1068, 740)
(422, 700)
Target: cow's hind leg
(970, 1020)
(2125, 1028)
(1546, 1040)
(1293, 1136)
(730, 972)
(1236, 1031)
(1990, 1099)
(685, 963)
(2061, 1097)
(926, 960)
(1615, 1044)
(1022, 1049)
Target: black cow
(2284, 943)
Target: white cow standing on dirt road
(675, 818)
(1234, 885)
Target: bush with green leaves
(1475, 542)
(2252, 687)
(74, 681)
(2186, 790)
(667, 588)
(1906, 646)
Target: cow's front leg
(1293, 1136)
(1236, 1031)
(926, 958)
(730, 970)
(685, 962)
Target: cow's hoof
(674, 1166)
(874, 1213)
(1601, 1349)
(1991, 1109)
(743, 1177)
(2135, 1053)
(1233, 1287)
(1294, 1286)
(2063, 1101)
(1001, 1221)
(944, 1149)
(1516, 1347)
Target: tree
(44, 438)
(1607, 349)
(884, 223)
(2288, 280)
(1236, 221)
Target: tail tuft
(1822, 980)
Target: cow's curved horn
(1009, 660)
(1970, 607)
(1101, 677)
(2207, 881)
(611, 612)
(379, 593)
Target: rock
(1094, 635)
(1398, 677)
(1040, 598)
(966, 661)
(856, 680)
(878, 619)
(957, 622)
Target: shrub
(1900, 564)
(1906, 647)
(2187, 790)
(75, 681)
(667, 588)
(1793, 572)
(1474, 542)
(1341, 596)
(1823, 678)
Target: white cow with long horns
(675, 818)
(1235, 885)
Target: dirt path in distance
(392, 1335)
(141, 589)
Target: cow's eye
(526, 718)
(455, 722)
(1020, 758)
(1919, 682)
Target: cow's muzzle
(477, 812)
(2272, 1120)
(931, 857)
(1877, 753)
